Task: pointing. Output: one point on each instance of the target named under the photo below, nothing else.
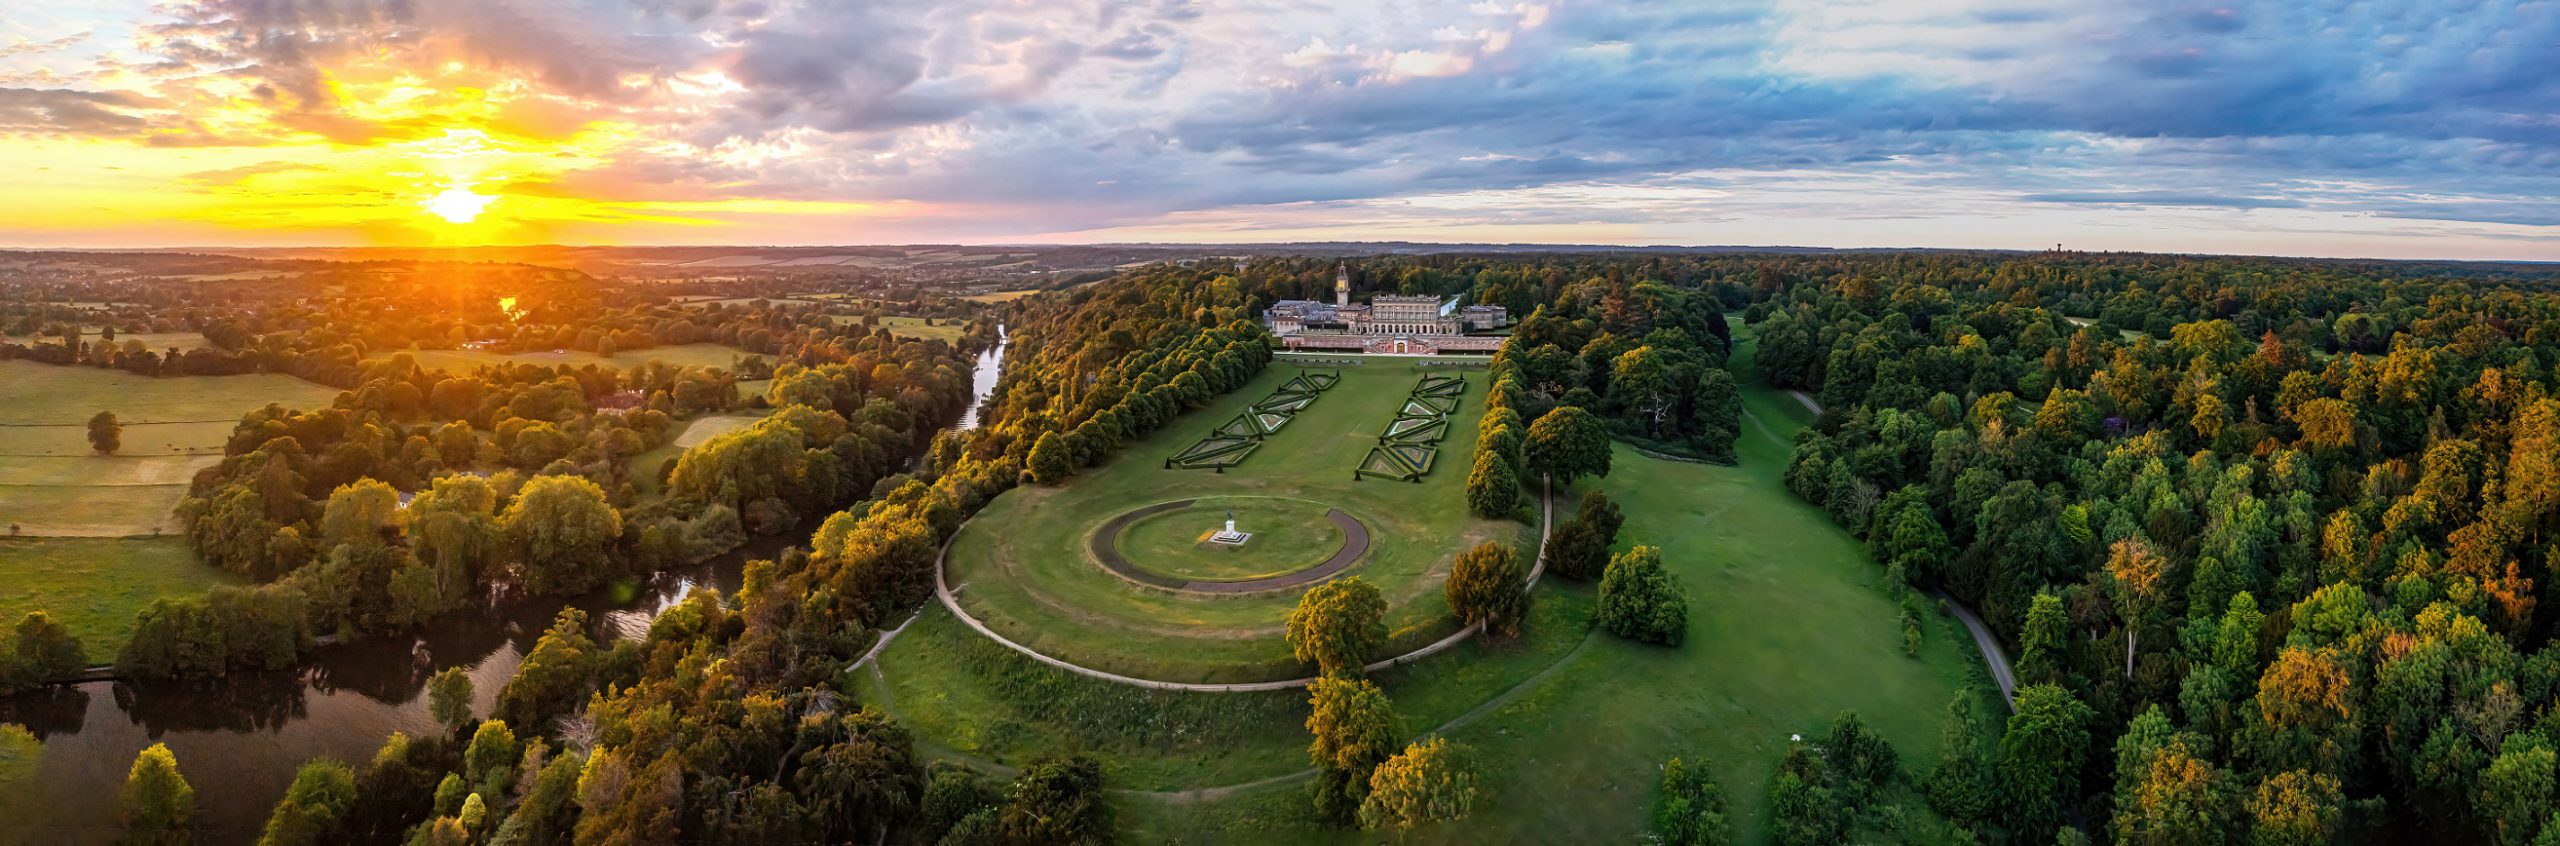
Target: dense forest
(2270, 537)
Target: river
(239, 738)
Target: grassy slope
(970, 699)
(1022, 567)
(96, 585)
(1789, 625)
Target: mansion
(1388, 324)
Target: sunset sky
(2387, 129)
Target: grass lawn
(644, 466)
(159, 342)
(1789, 625)
(942, 329)
(687, 355)
(1287, 535)
(1023, 566)
(96, 585)
(51, 484)
(969, 699)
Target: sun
(458, 204)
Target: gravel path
(1990, 645)
(1992, 654)
(950, 597)
(1106, 549)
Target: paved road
(1990, 645)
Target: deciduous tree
(562, 529)
(1355, 730)
(1640, 599)
(158, 805)
(1487, 585)
(1566, 444)
(1337, 624)
(106, 434)
(1429, 782)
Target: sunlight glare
(458, 204)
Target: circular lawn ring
(1168, 545)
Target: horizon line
(1450, 247)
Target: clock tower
(1341, 286)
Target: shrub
(1642, 601)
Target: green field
(52, 485)
(1027, 570)
(686, 355)
(972, 700)
(159, 342)
(96, 585)
(1789, 625)
(1287, 535)
(644, 466)
(942, 329)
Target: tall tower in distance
(1341, 286)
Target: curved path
(1992, 654)
(1990, 645)
(1106, 549)
(1204, 794)
(950, 597)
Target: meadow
(1028, 572)
(942, 328)
(95, 586)
(1789, 625)
(644, 466)
(51, 482)
(684, 355)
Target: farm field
(686, 355)
(1789, 625)
(94, 586)
(52, 485)
(1000, 296)
(1029, 573)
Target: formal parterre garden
(1231, 442)
(1790, 625)
(1026, 566)
(1411, 442)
